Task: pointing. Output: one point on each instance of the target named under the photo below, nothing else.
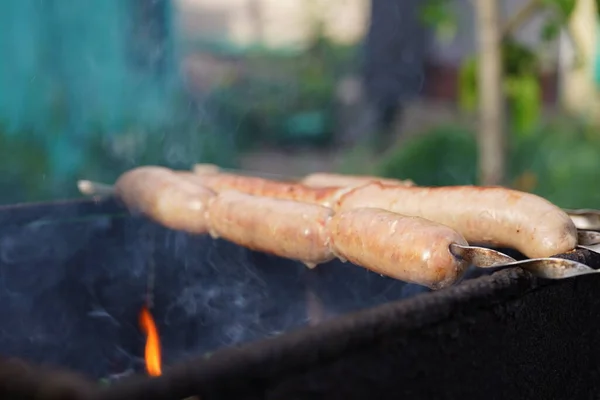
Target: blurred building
(273, 23)
(410, 64)
(288, 23)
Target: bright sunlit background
(90, 88)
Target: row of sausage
(391, 227)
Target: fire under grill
(239, 324)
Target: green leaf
(563, 7)
(518, 59)
(467, 85)
(445, 155)
(439, 15)
(525, 99)
(550, 30)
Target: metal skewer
(553, 268)
(549, 268)
(585, 218)
(480, 256)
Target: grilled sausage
(321, 179)
(411, 249)
(206, 169)
(325, 196)
(487, 215)
(164, 197)
(284, 228)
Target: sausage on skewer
(316, 179)
(322, 179)
(166, 198)
(410, 249)
(407, 248)
(325, 196)
(488, 215)
(206, 169)
(284, 228)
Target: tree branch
(492, 136)
(579, 54)
(519, 18)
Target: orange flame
(152, 350)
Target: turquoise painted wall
(67, 70)
(59, 53)
(79, 79)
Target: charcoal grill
(233, 323)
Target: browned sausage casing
(206, 169)
(486, 215)
(411, 249)
(284, 228)
(325, 196)
(322, 179)
(165, 198)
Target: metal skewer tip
(548, 268)
(553, 268)
(585, 218)
(480, 256)
(588, 238)
(89, 188)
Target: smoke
(72, 289)
(86, 79)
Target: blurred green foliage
(28, 173)
(441, 16)
(521, 85)
(286, 98)
(558, 161)
(557, 18)
(446, 155)
(521, 64)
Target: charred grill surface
(20, 380)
